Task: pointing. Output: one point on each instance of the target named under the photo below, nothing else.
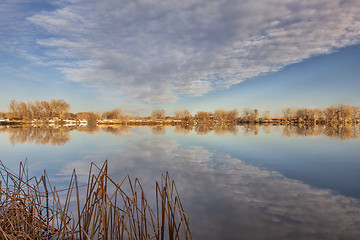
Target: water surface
(235, 182)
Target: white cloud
(18, 48)
(155, 51)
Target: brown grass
(32, 208)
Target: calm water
(235, 182)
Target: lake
(235, 182)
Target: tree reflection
(202, 129)
(59, 135)
(183, 129)
(266, 128)
(342, 132)
(88, 129)
(224, 129)
(158, 130)
(338, 131)
(117, 130)
(219, 129)
(250, 129)
(39, 135)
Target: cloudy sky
(194, 54)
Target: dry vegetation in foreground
(31, 208)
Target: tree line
(340, 113)
(38, 110)
(44, 110)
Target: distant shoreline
(57, 112)
(164, 122)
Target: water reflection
(54, 135)
(183, 129)
(218, 129)
(242, 196)
(341, 132)
(38, 135)
(158, 130)
(117, 130)
(88, 129)
(226, 198)
(250, 129)
(224, 129)
(57, 135)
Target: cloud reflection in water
(228, 199)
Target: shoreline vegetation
(42, 122)
(57, 112)
(32, 208)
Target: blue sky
(193, 54)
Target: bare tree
(91, 117)
(61, 108)
(288, 113)
(22, 110)
(37, 109)
(266, 115)
(202, 116)
(356, 113)
(12, 109)
(158, 114)
(344, 112)
(233, 114)
(220, 115)
(330, 114)
(114, 114)
(303, 115)
(45, 109)
(250, 115)
(18, 109)
(318, 114)
(183, 114)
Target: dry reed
(32, 208)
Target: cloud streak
(157, 51)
